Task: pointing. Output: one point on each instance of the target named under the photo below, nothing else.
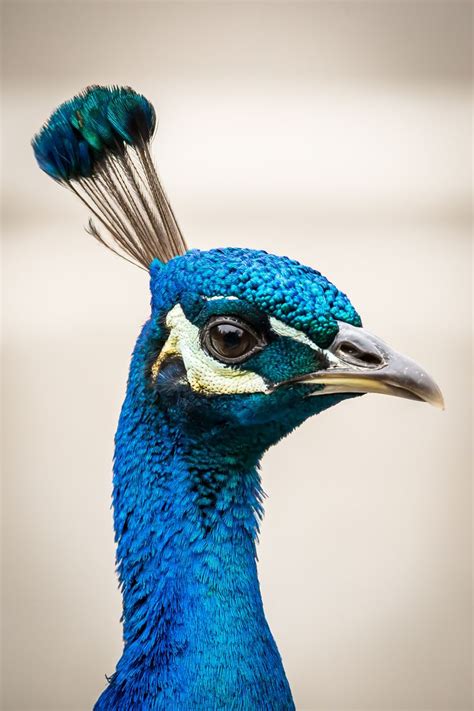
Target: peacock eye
(230, 340)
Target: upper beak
(362, 363)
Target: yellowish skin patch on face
(204, 373)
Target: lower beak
(362, 363)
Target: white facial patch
(204, 373)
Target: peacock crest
(98, 145)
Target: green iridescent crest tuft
(97, 144)
(82, 130)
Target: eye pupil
(231, 341)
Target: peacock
(240, 348)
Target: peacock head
(250, 341)
(239, 340)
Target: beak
(359, 362)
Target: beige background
(338, 133)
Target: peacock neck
(186, 509)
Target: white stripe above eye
(220, 298)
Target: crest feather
(97, 144)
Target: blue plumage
(187, 500)
(297, 294)
(187, 495)
(240, 348)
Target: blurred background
(338, 133)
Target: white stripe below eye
(204, 373)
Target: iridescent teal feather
(81, 132)
(97, 144)
(132, 117)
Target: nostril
(358, 356)
(371, 358)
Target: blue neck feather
(186, 509)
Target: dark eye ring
(230, 339)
